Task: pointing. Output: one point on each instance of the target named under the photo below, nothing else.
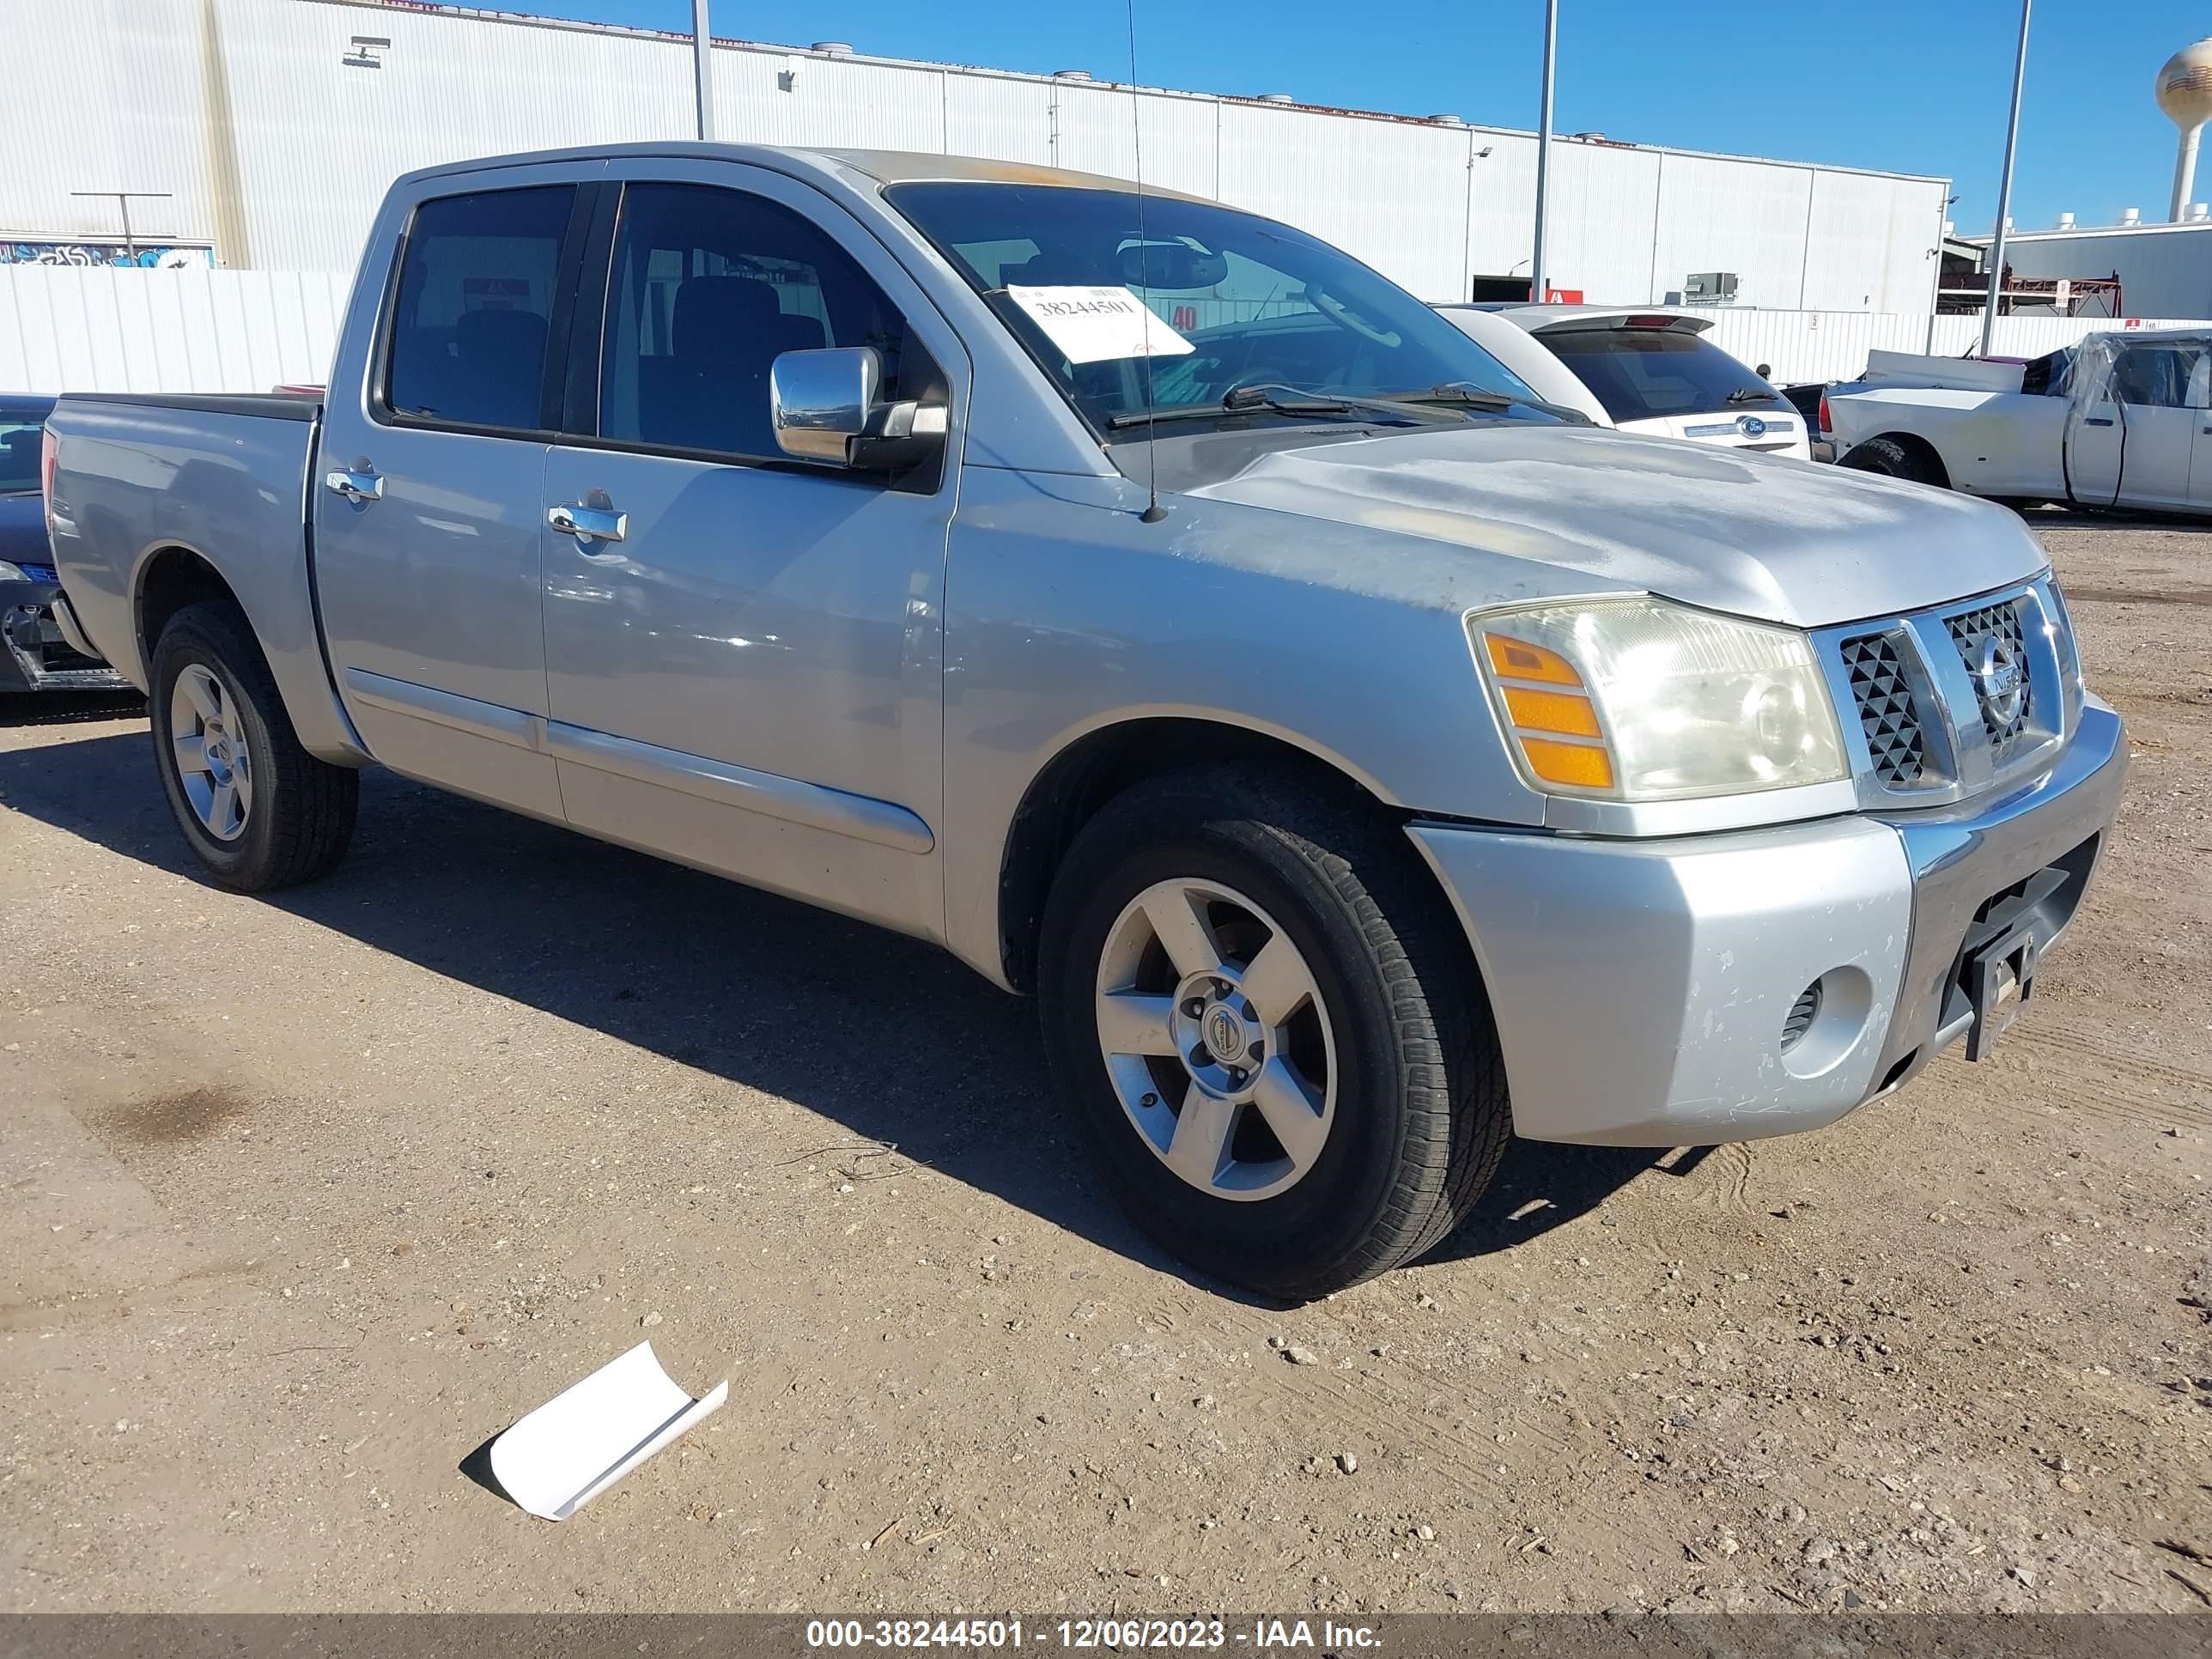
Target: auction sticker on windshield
(1096, 324)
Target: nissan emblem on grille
(1990, 646)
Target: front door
(742, 651)
(2135, 443)
(428, 498)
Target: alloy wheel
(1215, 1036)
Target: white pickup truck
(2123, 419)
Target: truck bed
(145, 485)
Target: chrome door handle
(355, 486)
(588, 524)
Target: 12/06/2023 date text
(1119, 1635)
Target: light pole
(703, 69)
(2004, 186)
(1539, 274)
(123, 198)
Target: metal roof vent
(1590, 137)
(2199, 212)
(1277, 98)
(2130, 215)
(1448, 120)
(2065, 222)
(833, 48)
(1071, 74)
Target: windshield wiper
(1752, 394)
(1468, 394)
(1272, 399)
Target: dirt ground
(305, 1199)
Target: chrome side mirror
(824, 407)
(819, 401)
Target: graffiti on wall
(156, 256)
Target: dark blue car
(33, 654)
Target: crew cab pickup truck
(1361, 759)
(2123, 419)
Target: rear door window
(472, 327)
(1639, 374)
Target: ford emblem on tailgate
(1751, 426)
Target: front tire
(258, 810)
(1283, 1065)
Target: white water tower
(2185, 93)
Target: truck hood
(1753, 535)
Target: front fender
(1067, 616)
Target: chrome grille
(1954, 699)
(1887, 714)
(1974, 632)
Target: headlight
(1640, 699)
(11, 573)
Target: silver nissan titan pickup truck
(1360, 759)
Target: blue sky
(1917, 86)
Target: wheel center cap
(1225, 1033)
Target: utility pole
(703, 69)
(123, 198)
(1539, 273)
(2004, 186)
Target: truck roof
(885, 167)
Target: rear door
(744, 665)
(428, 489)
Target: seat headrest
(716, 317)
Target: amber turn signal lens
(1569, 715)
(1580, 766)
(1517, 659)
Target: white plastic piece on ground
(586, 1438)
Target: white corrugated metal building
(2165, 269)
(274, 126)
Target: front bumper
(1642, 988)
(37, 653)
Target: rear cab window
(472, 340)
(1643, 374)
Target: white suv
(1642, 368)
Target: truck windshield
(1234, 301)
(1639, 373)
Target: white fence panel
(67, 328)
(92, 328)
(1833, 345)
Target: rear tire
(256, 809)
(1893, 460)
(1388, 1034)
